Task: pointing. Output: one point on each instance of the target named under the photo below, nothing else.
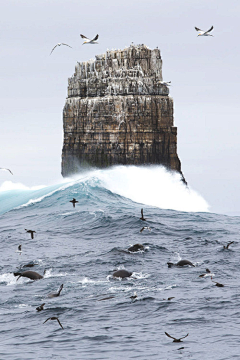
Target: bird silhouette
(54, 318)
(174, 339)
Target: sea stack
(118, 111)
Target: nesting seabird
(51, 295)
(89, 41)
(40, 308)
(30, 232)
(204, 33)
(227, 246)
(73, 201)
(174, 339)
(59, 44)
(6, 170)
(54, 318)
(142, 217)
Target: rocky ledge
(118, 112)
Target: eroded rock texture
(118, 112)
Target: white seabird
(59, 44)
(204, 33)
(6, 170)
(89, 41)
(166, 83)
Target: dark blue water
(81, 248)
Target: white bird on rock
(204, 33)
(59, 44)
(89, 41)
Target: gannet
(89, 41)
(6, 170)
(204, 33)
(59, 44)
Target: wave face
(81, 248)
(153, 186)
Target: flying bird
(54, 318)
(40, 308)
(204, 33)
(145, 228)
(227, 246)
(134, 296)
(19, 250)
(30, 232)
(174, 339)
(217, 283)
(142, 218)
(59, 44)
(73, 201)
(207, 272)
(89, 41)
(6, 170)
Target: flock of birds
(94, 40)
(121, 274)
(32, 275)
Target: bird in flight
(73, 201)
(6, 170)
(54, 318)
(174, 339)
(204, 33)
(142, 217)
(40, 308)
(30, 232)
(217, 283)
(89, 41)
(227, 246)
(59, 44)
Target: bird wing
(6, 170)
(67, 45)
(84, 37)
(60, 323)
(183, 337)
(231, 242)
(53, 48)
(142, 212)
(197, 29)
(96, 37)
(211, 28)
(170, 336)
(46, 320)
(142, 229)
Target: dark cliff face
(118, 112)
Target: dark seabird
(19, 247)
(73, 201)
(181, 263)
(28, 274)
(174, 339)
(134, 296)
(207, 272)
(51, 295)
(54, 318)
(122, 274)
(6, 170)
(30, 232)
(40, 308)
(217, 284)
(145, 228)
(29, 265)
(136, 248)
(142, 218)
(227, 246)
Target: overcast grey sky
(204, 72)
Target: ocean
(81, 248)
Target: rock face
(118, 112)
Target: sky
(204, 72)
